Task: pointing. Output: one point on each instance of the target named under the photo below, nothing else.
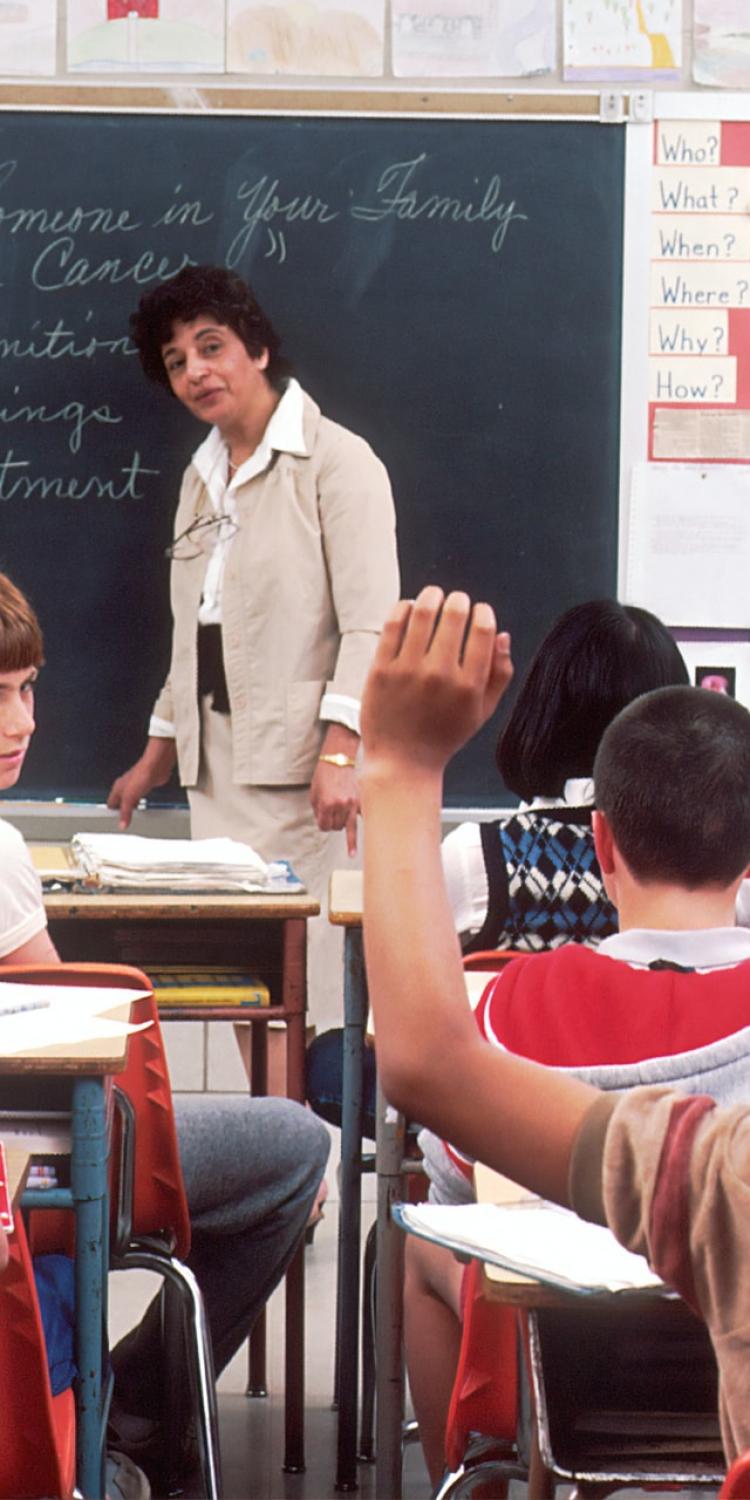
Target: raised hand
(439, 673)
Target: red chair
(150, 1222)
(736, 1486)
(492, 959)
(38, 1447)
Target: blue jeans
(324, 1080)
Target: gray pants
(252, 1168)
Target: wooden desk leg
(389, 1305)
(256, 1374)
(347, 1370)
(294, 998)
(89, 1188)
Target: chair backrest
(159, 1201)
(491, 959)
(37, 1447)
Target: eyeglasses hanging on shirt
(201, 536)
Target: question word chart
(699, 335)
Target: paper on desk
(534, 1239)
(75, 1014)
(127, 861)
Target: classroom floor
(252, 1430)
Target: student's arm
(426, 695)
(38, 950)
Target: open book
(535, 1239)
(126, 861)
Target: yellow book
(186, 984)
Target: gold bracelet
(339, 759)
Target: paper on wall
(688, 545)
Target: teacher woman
(283, 570)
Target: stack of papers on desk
(125, 861)
(535, 1239)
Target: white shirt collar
(284, 434)
(578, 791)
(707, 948)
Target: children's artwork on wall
(28, 37)
(499, 38)
(124, 36)
(621, 39)
(342, 39)
(721, 43)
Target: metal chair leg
(369, 1292)
(198, 1349)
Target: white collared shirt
(705, 948)
(283, 434)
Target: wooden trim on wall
(199, 98)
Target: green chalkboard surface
(448, 288)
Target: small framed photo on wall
(719, 666)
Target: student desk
(80, 1073)
(345, 910)
(264, 933)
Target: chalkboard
(449, 288)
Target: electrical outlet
(611, 107)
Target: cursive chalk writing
(73, 411)
(55, 268)
(14, 484)
(59, 342)
(98, 220)
(262, 204)
(184, 213)
(399, 198)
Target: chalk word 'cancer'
(55, 268)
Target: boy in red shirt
(670, 1174)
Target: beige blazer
(310, 578)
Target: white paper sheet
(28, 38)
(688, 545)
(145, 36)
(620, 40)
(326, 37)
(721, 43)
(448, 38)
(75, 1015)
(533, 1238)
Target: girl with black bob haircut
(596, 658)
(531, 881)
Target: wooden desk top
(345, 898)
(17, 1161)
(93, 1057)
(145, 907)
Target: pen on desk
(17, 1007)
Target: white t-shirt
(22, 914)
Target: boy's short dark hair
(597, 657)
(21, 643)
(217, 292)
(672, 778)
